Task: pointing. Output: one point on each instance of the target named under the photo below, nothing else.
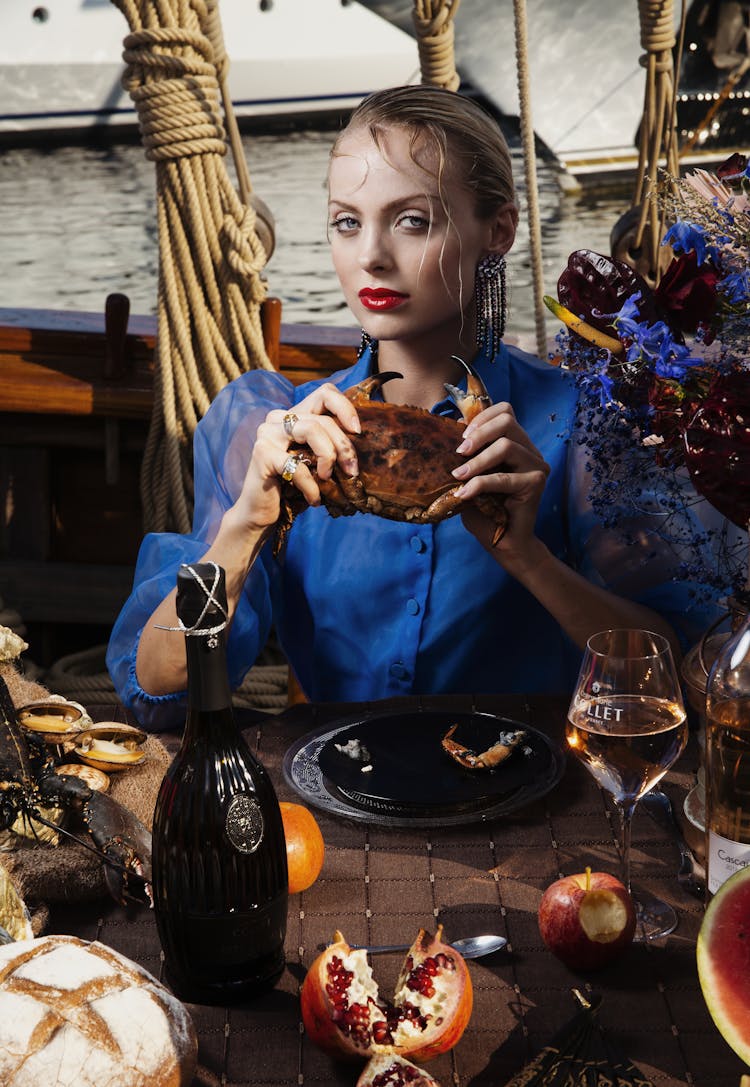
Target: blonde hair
(457, 129)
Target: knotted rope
(210, 256)
(658, 136)
(433, 23)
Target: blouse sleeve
(222, 448)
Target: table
(381, 885)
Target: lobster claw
(125, 847)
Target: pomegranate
(344, 1014)
(390, 1070)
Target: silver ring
(291, 464)
(290, 420)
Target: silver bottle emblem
(244, 823)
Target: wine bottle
(728, 759)
(219, 853)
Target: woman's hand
(323, 422)
(502, 460)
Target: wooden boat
(75, 405)
(61, 62)
(587, 79)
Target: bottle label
(725, 857)
(244, 823)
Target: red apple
(587, 920)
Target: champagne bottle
(219, 853)
(728, 759)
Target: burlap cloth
(44, 875)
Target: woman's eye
(344, 223)
(414, 221)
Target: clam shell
(110, 746)
(56, 722)
(95, 779)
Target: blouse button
(418, 545)
(398, 670)
(412, 606)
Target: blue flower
(628, 320)
(736, 285)
(684, 236)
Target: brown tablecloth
(380, 885)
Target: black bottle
(219, 853)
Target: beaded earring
(490, 293)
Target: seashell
(110, 746)
(55, 721)
(95, 779)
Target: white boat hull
(61, 60)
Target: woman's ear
(503, 226)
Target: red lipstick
(381, 298)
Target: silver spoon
(471, 947)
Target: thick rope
(210, 255)
(529, 161)
(658, 136)
(433, 23)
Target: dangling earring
(364, 343)
(490, 294)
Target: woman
(422, 212)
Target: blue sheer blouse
(365, 608)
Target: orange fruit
(305, 848)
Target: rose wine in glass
(627, 725)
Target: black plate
(412, 781)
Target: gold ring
(291, 464)
(290, 420)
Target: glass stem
(626, 816)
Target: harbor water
(79, 222)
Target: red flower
(731, 168)
(687, 294)
(717, 447)
(595, 287)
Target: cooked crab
(486, 760)
(405, 457)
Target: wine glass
(627, 724)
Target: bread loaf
(73, 1012)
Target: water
(79, 222)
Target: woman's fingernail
(354, 425)
(461, 471)
(464, 447)
(459, 492)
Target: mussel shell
(40, 718)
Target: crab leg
(488, 759)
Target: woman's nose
(375, 251)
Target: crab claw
(475, 399)
(365, 389)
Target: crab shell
(405, 457)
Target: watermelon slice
(723, 954)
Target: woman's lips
(380, 298)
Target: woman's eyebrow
(401, 201)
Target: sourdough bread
(73, 1012)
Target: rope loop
(176, 96)
(657, 25)
(433, 24)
